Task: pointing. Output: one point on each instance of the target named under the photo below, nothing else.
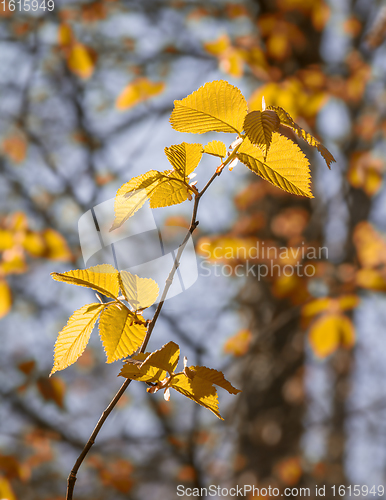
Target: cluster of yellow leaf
(332, 328)
(121, 328)
(195, 382)
(220, 107)
(16, 242)
(80, 58)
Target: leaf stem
(193, 224)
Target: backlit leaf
(285, 166)
(165, 358)
(286, 120)
(214, 377)
(134, 369)
(72, 340)
(171, 191)
(162, 188)
(216, 148)
(259, 127)
(199, 390)
(121, 335)
(184, 157)
(215, 107)
(139, 292)
(133, 194)
(102, 278)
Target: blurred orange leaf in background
(238, 344)
(329, 332)
(81, 61)
(138, 91)
(52, 389)
(289, 470)
(14, 146)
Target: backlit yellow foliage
(194, 382)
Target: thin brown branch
(193, 224)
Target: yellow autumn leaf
(134, 369)
(5, 298)
(139, 292)
(163, 189)
(120, 333)
(132, 195)
(72, 340)
(329, 332)
(102, 278)
(215, 107)
(259, 127)
(213, 376)
(285, 166)
(172, 191)
(216, 148)
(138, 91)
(198, 390)
(165, 358)
(287, 121)
(80, 61)
(184, 157)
